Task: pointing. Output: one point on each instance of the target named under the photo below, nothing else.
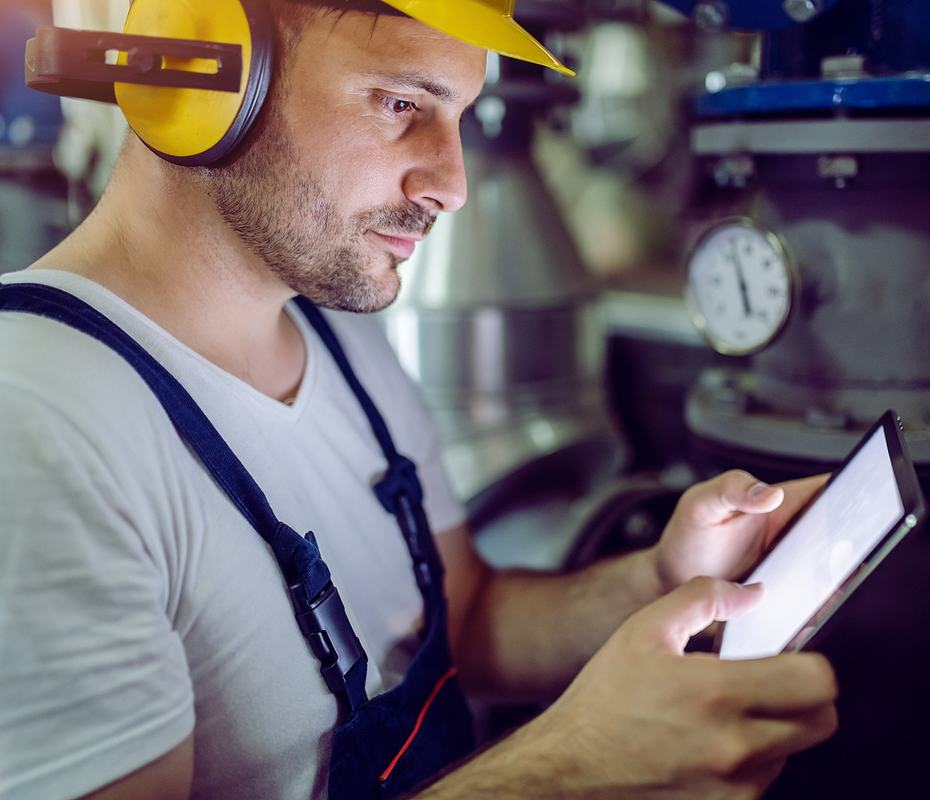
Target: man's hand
(506, 647)
(723, 526)
(643, 720)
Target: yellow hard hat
(192, 76)
(483, 23)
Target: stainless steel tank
(499, 323)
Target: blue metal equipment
(892, 39)
(750, 15)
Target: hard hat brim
(477, 23)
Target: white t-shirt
(137, 604)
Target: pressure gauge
(740, 287)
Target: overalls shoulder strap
(399, 491)
(317, 606)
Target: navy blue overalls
(385, 746)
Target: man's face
(358, 152)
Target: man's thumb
(671, 621)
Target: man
(149, 649)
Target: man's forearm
(529, 633)
(525, 764)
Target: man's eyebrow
(412, 80)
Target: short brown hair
(291, 15)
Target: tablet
(866, 508)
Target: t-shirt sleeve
(94, 681)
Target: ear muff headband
(197, 127)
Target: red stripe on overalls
(419, 723)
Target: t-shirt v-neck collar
(117, 309)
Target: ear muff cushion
(197, 127)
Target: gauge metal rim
(780, 249)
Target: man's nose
(436, 180)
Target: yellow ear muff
(197, 127)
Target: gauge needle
(741, 277)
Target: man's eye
(397, 106)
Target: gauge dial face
(740, 287)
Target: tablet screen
(825, 545)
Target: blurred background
(710, 250)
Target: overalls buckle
(329, 634)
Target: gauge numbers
(740, 287)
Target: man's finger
(789, 684)
(775, 739)
(733, 492)
(757, 777)
(671, 621)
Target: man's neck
(157, 241)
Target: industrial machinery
(821, 273)
(813, 272)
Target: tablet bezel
(912, 516)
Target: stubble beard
(284, 216)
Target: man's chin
(387, 295)
(385, 283)
(358, 287)
(378, 295)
